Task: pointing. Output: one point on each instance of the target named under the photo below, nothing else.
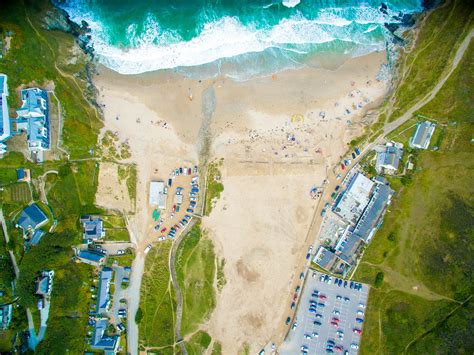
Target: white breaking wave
(290, 3)
(153, 48)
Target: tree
(138, 315)
(379, 279)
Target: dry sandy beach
(277, 135)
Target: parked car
(288, 320)
(294, 326)
(120, 252)
(337, 188)
(292, 306)
(357, 331)
(161, 238)
(316, 322)
(170, 182)
(148, 248)
(180, 170)
(357, 151)
(359, 320)
(353, 156)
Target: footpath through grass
(436, 45)
(196, 271)
(157, 300)
(424, 248)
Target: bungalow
(33, 117)
(100, 341)
(32, 218)
(91, 257)
(5, 124)
(103, 299)
(421, 138)
(389, 159)
(93, 228)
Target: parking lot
(326, 319)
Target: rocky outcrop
(58, 19)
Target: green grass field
(196, 269)
(157, 299)
(198, 343)
(424, 247)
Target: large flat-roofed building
(33, 117)
(421, 138)
(372, 216)
(348, 246)
(157, 194)
(5, 124)
(389, 159)
(354, 199)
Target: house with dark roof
(421, 138)
(33, 117)
(100, 341)
(93, 228)
(32, 218)
(329, 261)
(90, 257)
(103, 299)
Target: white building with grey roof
(421, 138)
(388, 159)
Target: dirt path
(174, 280)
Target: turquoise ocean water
(235, 38)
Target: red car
(295, 296)
(322, 297)
(337, 320)
(338, 349)
(176, 226)
(189, 171)
(343, 167)
(174, 208)
(334, 324)
(357, 331)
(163, 230)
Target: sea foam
(152, 47)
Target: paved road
(16, 270)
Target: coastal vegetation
(199, 343)
(196, 271)
(423, 303)
(157, 300)
(214, 186)
(435, 45)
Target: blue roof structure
(35, 113)
(5, 124)
(93, 227)
(99, 341)
(20, 174)
(37, 235)
(372, 214)
(104, 288)
(91, 256)
(32, 217)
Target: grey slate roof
(32, 217)
(99, 341)
(346, 248)
(103, 298)
(422, 135)
(93, 227)
(375, 209)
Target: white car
(360, 313)
(361, 305)
(120, 252)
(148, 248)
(354, 346)
(295, 325)
(308, 336)
(161, 238)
